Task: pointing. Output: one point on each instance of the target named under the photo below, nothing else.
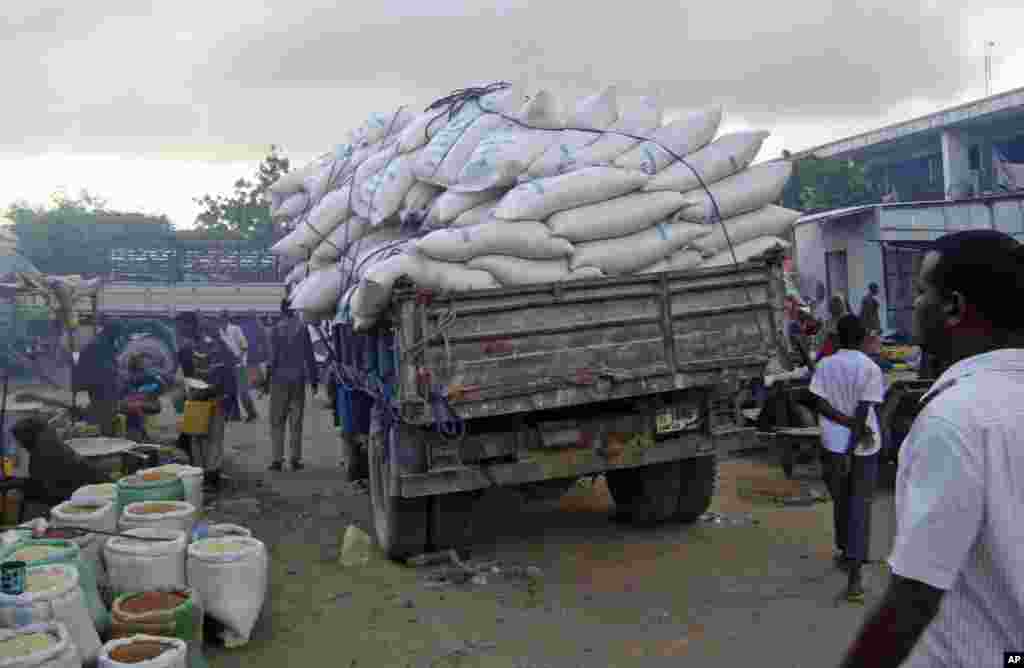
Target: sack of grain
(768, 221)
(320, 291)
(324, 218)
(627, 254)
(478, 214)
(680, 137)
(45, 645)
(421, 130)
(297, 273)
(745, 252)
(722, 158)
(745, 191)
(144, 650)
(149, 487)
(418, 202)
(387, 189)
(536, 200)
(230, 576)
(510, 270)
(95, 516)
(509, 150)
(97, 494)
(52, 594)
(367, 176)
(172, 515)
(327, 178)
(531, 240)
(380, 126)
(137, 565)
(620, 137)
(680, 260)
(294, 205)
(453, 204)
(169, 612)
(338, 241)
(616, 217)
(290, 183)
(597, 112)
(191, 479)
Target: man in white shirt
(236, 340)
(849, 386)
(956, 597)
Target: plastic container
(198, 415)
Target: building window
(974, 158)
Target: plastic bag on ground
(746, 191)
(637, 122)
(173, 653)
(531, 240)
(49, 645)
(681, 137)
(615, 217)
(769, 221)
(727, 155)
(745, 251)
(625, 255)
(536, 200)
(136, 565)
(53, 595)
(680, 260)
(356, 547)
(230, 576)
(173, 515)
(597, 112)
(510, 270)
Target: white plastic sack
(135, 565)
(455, 161)
(769, 221)
(63, 602)
(615, 217)
(230, 576)
(320, 291)
(181, 518)
(510, 270)
(324, 180)
(175, 656)
(746, 191)
(343, 236)
(638, 122)
(364, 181)
(331, 211)
(380, 126)
(722, 158)
(509, 150)
(418, 202)
(597, 112)
(679, 261)
(191, 478)
(289, 246)
(453, 204)
(421, 130)
(104, 518)
(745, 251)
(297, 273)
(296, 204)
(387, 189)
(291, 182)
(375, 246)
(680, 137)
(524, 239)
(536, 200)
(477, 215)
(98, 494)
(62, 653)
(626, 255)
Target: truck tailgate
(515, 350)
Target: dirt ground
(753, 582)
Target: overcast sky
(150, 104)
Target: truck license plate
(666, 422)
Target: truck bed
(540, 347)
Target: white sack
(135, 565)
(324, 180)
(723, 157)
(289, 246)
(421, 130)
(182, 518)
(418, 201)
(297, 273)
(453, 164)
(510, 270)
(381, 125)
(597, 112)
(523, 239)
(320, 291)
(477, 215)
(293, 206)
(745, 251)
(536, 200)
(626, 255)
(680, 260)
(64, 603)
(375, 246)
(90, 545)
(191, 479)
(311, 230)
(363, 183)
(61, 654)
(291, 182)
(615, 217)
(638, 122)
(681, 137)
(387, 189)
(96, 494)
(508, 151)
(175, 656)
(343, 236)
(746, 191)
(769, 221)
(452, 204)
(231, 585)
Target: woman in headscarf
(95, 374)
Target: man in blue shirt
(291, 367)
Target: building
(848, 249)
(950, 154)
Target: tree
(820, 184)
(245, 211)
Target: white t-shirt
(235, 339)
(844, 379)
(960, 504)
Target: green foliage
(823, 184)
(245, 212)
(75, 235)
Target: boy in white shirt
(849, 386)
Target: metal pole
(988, 68)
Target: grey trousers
(287, 407)
(243, 392)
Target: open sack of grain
(230, 576)
(141, 565)
(145, 650)
(491, 188)
(42, 645)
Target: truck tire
(400, 524)
(451, 522)
(354, 455)
(700, 481)
(657, 493)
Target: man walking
(236, 340)
(956, 596)
(291, 368)
(870, 310)
(849, 387)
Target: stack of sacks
(499, 190)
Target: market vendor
(141, 397)
(94, 374)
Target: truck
(168, 299)
(635, 378)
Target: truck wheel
(451, 521)
(400, 524)
(787, 453)
(355, 457)
(646, 495)
(699, 482)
